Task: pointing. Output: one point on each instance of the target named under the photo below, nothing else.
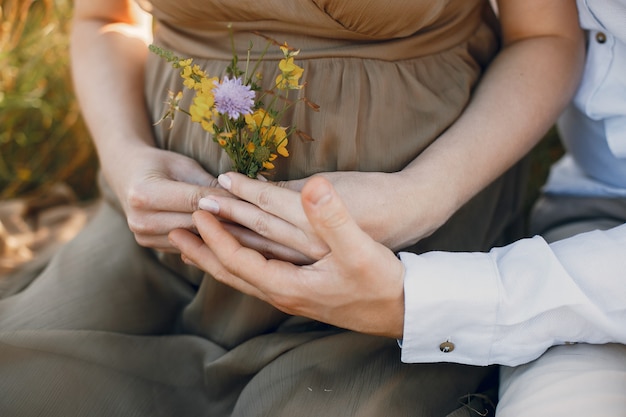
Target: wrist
(424, 208)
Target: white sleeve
(509, 305)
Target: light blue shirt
(593, 128)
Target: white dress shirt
(509, 305)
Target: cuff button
(446, 347)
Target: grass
(43, 140)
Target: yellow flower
(202, 111)
(186, 75)
(254, 146)
(207, 84)
(281, 148)
(202, 107)
(277, 135)
(224, 138)
(260, 118)
(208, 126)
(288, 51)
(193, 76)
(290, 75)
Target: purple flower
(232, 97)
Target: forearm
(517, 101)
(108, 58)
(510, 305)
(157, 189)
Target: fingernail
(321, 195)
(224, 181)
(209, 205)
(187, 261)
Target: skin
(353, 281)
(157, 189)
(366, 277)
(522, 93)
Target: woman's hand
(266, 218)
(158, 191)
(358, 285)
(275, 224)
(380, 203)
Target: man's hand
(357, 285)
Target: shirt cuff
(451, 303)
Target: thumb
(190, 171)
(329, 216)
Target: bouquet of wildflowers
(233, 109)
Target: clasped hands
(252, 234)
(346, 278)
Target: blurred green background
(43, 140)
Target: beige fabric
(377, 113)
(103, 336)
(137, 333)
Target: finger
(268, 248)
(245, 263)
(190, 171)
(158, 223)
(151, 229)
(201, 256)
(294, 185)
(270, 198)
(169, 196)
(158, 243)
(267, 227)
(330, 218)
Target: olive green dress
(114, 329)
